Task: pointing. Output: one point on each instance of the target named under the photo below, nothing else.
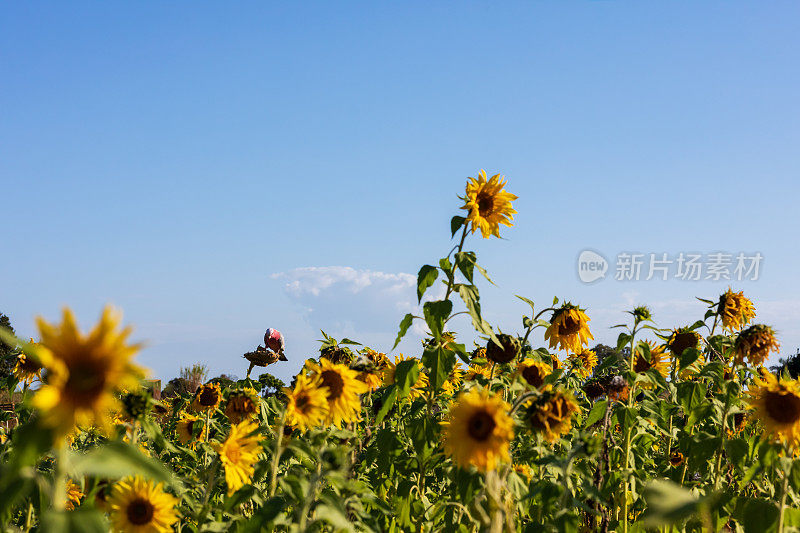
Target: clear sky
(190, 162)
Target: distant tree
(270, 385)
(790, 365)
(224, 380)
(188, 380)
(8, 353)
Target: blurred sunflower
(754, 344)
(27, 369)
(584, 362)
(568, 329)
(308, 403)
(189, 429)
(657, 359)
(371, 379)
(207, 398)
(343, 390)
(239, 453)
(488, 204)
(777, 406)
(242, 403)
(735, 310)
(478, 430)
(533, 372)
(84, 371)
(551, 414)
(524, 471)
(139, 506)
(676, 459)
(473, 371)
(417, 388)
(378, 359)
(74, 495)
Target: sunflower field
(677, 428)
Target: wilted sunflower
(343, 390)
(74, 495)
(755, 344)
(682, 339)
(739, 422)
(378, 359)
(417, 388)
(676, 458)
(569, 329)
(505, 352)
(656, 361)
(239, 453)
(735, 310)
(27, 370)
(140, 506)
(584, 362)
(207, 397)
(84, 371)
(308, 403)
(488, 204)
(533, 372)
(189, 429)
(777, 406)
(478, 430)
(242, 404)
(551, 414)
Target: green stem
(718, 462)
(310, 497)
(782, 510)
(276, 455)
(201, 516)
(451, 279)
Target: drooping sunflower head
(136, 404)
(340, 355)
(74, 495)
(378, 359)
(650, 357)
(478, 430)
(551, 413)
(85, 372)
(735, 310)
(584, 362)
(488, 204)
(189, 429)
(27, 369)
(479, 353)
(533, 372)
(569, 329)
(617, 388)
(505, 352)
(242, 403)
(594, 388)
(371, 379)
(417, 388)
(754, 344)
(343, 391)
(207, 397)
(239, 454)
(682, 339)
(777, 406)
(307, 403)
(138, 506)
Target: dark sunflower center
(140, 512)
(642, 365)
(569, 326)
(30, 366)
(683, 341)
(481, 426)
(334, 382)
(782, 408)
(485, 204)
(301, 402)
(85, 383)
(676, 459)
(208, 397)
(533, 376)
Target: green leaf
(266, 514)
(436, 313)
(598, 411)
(527, 301)
(690, 394)
(116, 460)
(759, 516)
(469, 293)
(465, 261)
(426, 277)
(404, 325)
(455, 224)
(667, 503)
(689, 356)
(406, 375)
(78, 521)
(439, 362)
(389, 398)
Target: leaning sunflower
(473, 371)
(307, 406)
(735, 310)
(27, 369)
(777, 406)
(343, 390)
(682, 339)
(488, 204)
(551, 414)
(242, 404)
(84, 371)
(239, 453)
(569, 329)
(417, 388)
(657, 359)
(755, 344)
(533, 371)
(207, 398)
(139, 506)
(584, 362)
(189, 429)
(478, 430)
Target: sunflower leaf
(439, 362)
(406, 375)
(404, 325)
(436, 313)
(388, 399)
(426, 277)
(455, 224)
(116, 460)
(598, 411)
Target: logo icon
(591, 266)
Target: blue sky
(217, 169)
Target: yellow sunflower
(27, 369)
(378, 359)
(472, 373)
(777, 406)
(84, 371)
(551, 414)
(533, 372)
(754, 344)
(308, 403)
(523, 471)
(370, 379)
(189, 429)
(207, 398)
(584, 362)
(676, 459)
(242, 404)
(488, 204)
(343, 390)
(74, 495)
(417, 388)
(735, 310)
(657, 360)
(139, 506)
(453, 382)
(239, 453)
(505, 352)
(478, 430)
(569, 329)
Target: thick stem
(276, 455)
(782, 510)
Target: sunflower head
(754, 344)
(189, 429)
(239, 453)
(777, 406)
(453, 382)
(584, 362)
(617, 388)
(473, 371)
(650, 357)
(551, 414)
(140, 505)
(478, 430)
(594, 388)
(27, 369)
(343, 390)
(207, 397)
(569, 329)
(337, 354)
(682, 339)
(417, 388)
(505, 352)
(378, 359)
(524, 471)
(533, 372)
(735, 310)
(676, 458)
(242, 403)
(136, 404)
(74, 495)
(307, 405)
(488, 204)
(642, 313)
